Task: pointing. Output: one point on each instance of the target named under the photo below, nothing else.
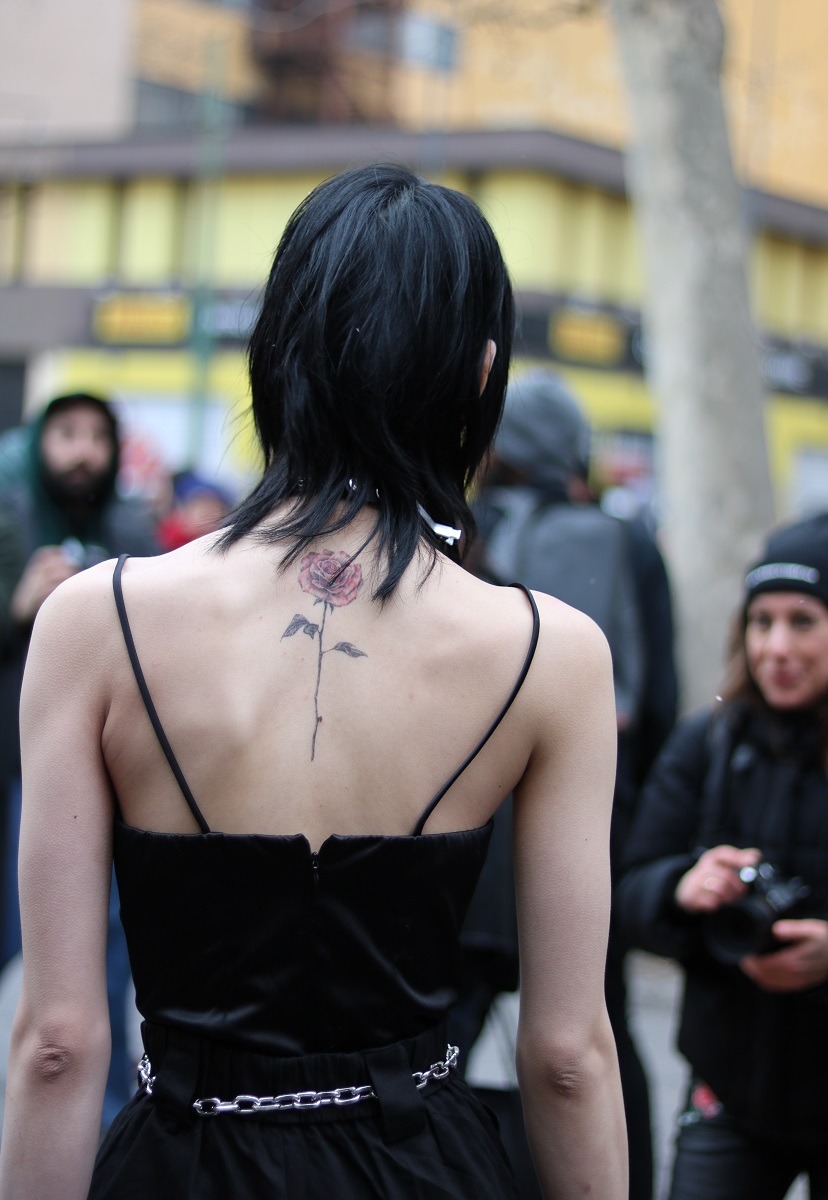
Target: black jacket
(745, 780)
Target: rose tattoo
(334, 579)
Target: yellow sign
(133, 319)
(588, 337)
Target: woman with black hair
(727, 871)
(252, 725)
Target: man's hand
(47, 568)
(714, 880)
(801, 964)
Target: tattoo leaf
(298, 622)
(310, 630)
(349, 649)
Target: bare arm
(60, 1038)
(566, 1053)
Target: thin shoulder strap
(524, 671)
(145, 696)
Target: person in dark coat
(737, 792)
(539, 524)
(59, 513)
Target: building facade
(131, 257)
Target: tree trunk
(703, 361)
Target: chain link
(146, 1080)
(212, 1106)
(438, 1070)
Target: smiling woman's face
(786, 641)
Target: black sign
(611, 339)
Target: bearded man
(65, 509)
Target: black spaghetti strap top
(255, 940)
(163, 740)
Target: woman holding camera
(727, 871)
(293, 735)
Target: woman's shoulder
(82, 610)
(556, 618)
(572, 655)
(569, 640)
(79, 599)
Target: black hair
(77, 400)
(365, 364)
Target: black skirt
(435, 1143)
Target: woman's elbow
(567, 1069)
(53, 1048)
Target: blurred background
(151, 151)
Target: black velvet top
(255, 939)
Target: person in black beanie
(726, 871)
(795, 559)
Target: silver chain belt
(212, 1106)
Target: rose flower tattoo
(334, 579)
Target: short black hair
(365, 363)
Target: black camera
(744, 927)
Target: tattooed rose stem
(318, 680)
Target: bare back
(290, 713)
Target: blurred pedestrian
(198, 506)
(727, 871)
(59, 514)
(540, 526)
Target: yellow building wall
(519, 65)
(232, 226)
(561, 237)
(535, 64)
(790, 286)
(195, 46)
(777, 94)
(149, 252)
(540, 64)
(525, 216)
(793, 425)
(557, 237)
(68, 233)
(9, 231)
